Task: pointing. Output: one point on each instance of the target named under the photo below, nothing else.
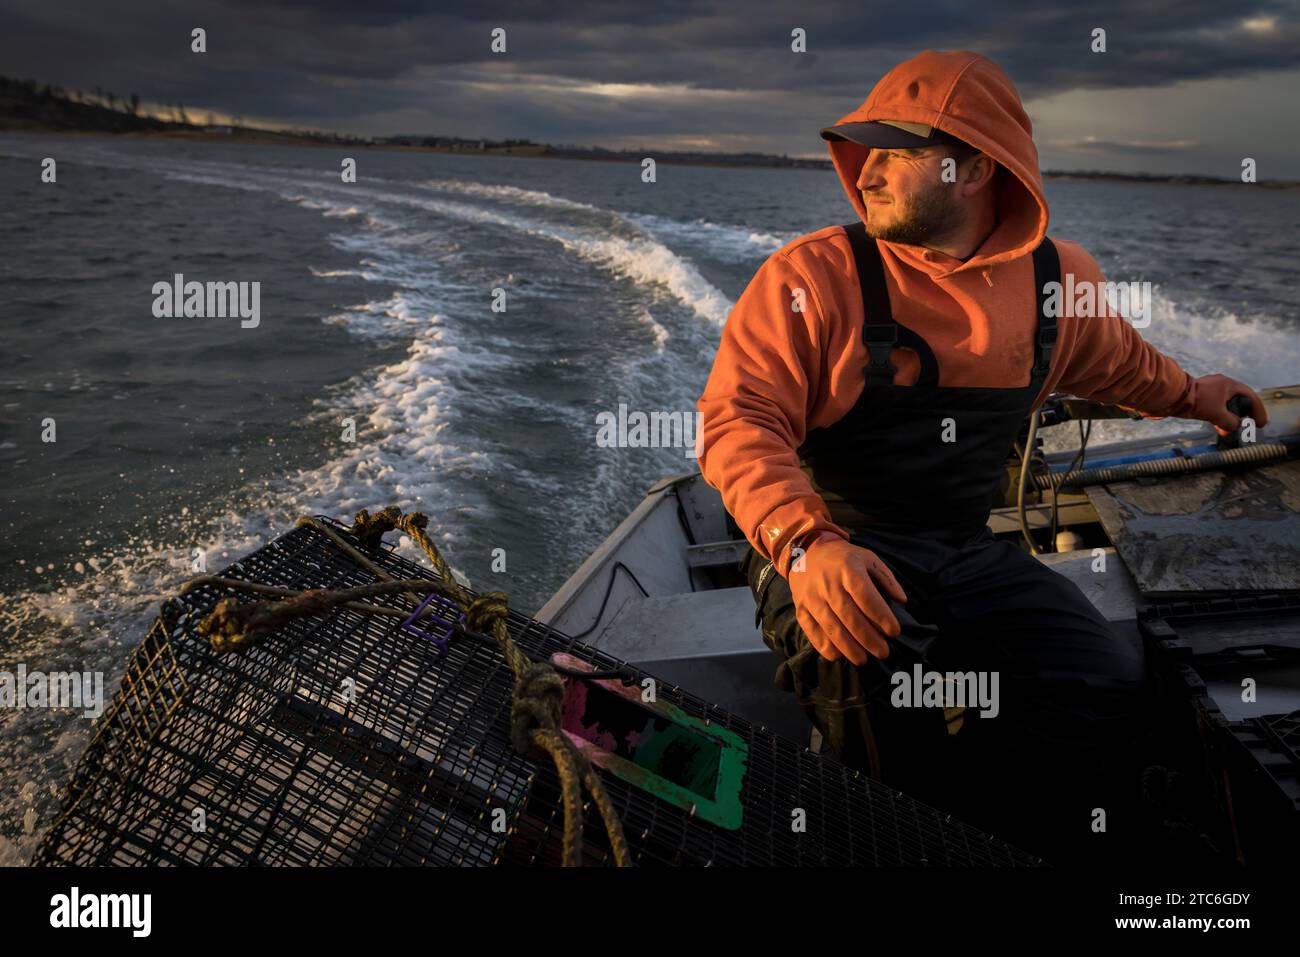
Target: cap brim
(878, 136)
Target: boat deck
(664, 591)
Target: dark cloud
(390, 66)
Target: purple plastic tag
(444, 613)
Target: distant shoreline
(254, 137)
(26, 107)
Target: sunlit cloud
(544, 85)
(1098, 144)
(1266, 24)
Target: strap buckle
(1047, 334)
(880, 338)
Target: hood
(969, 96)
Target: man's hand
(1211, 403)
(838, 601)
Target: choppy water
(376, 304)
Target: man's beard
(928, 218)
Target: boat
(327, 701)
(1200, 543)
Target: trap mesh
(260, 757)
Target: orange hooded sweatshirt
(781, 372)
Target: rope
(538, 698)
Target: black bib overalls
(923, 460)
(911, 472)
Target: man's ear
(980, 172)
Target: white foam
(1203, 339)
(512, 194)
(651, 263)
(1206, 338)
(396, 315)
(661, 335)
(739, 244)
(640, 259)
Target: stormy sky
(1189, 86)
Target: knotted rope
(536, 704)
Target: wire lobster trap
(348, 738)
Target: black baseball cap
(888, 134)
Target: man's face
(906, 198)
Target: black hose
(609, 587)
(1027, 457)
(1085, 432)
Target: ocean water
(178, 437)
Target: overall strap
(880, 332)
(1047, 269)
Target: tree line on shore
(26, 104)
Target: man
(868, 389)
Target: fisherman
(868, 389)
